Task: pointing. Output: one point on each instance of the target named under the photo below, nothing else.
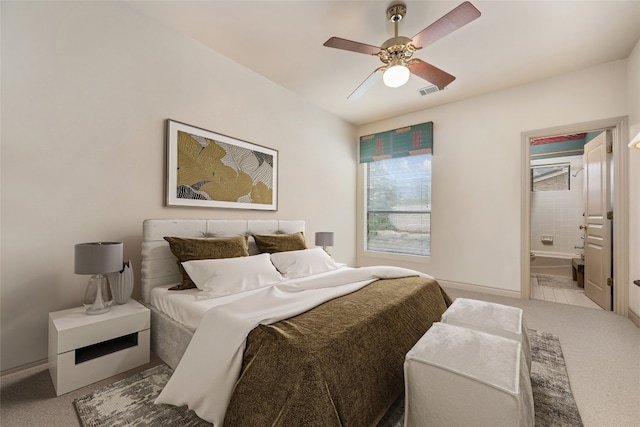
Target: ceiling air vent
(427, 90)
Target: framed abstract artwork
(208, 169)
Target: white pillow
(228, 276)
(295, 264)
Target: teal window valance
(408, 141)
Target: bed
(169, 338)
(332, 355)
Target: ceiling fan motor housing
(396, 49)
(396, 12)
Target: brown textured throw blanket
(339, 364)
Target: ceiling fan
(396, 52)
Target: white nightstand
(84, 349)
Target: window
(398, 205)
(553, 177)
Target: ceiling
(512, 43)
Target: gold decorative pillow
(280, 242)
(189, 249)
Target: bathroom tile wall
(559, 213)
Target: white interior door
(597, 248)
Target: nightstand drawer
(78, 368)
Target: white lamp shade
(635, 142)
(98, 257)
(324, 238)
(396, 76)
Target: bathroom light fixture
(397, 74)
(635, 142)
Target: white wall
(634, 180)
(86, 88)
(477, 170)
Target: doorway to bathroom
(556, 215)
(558, 224)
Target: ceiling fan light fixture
(396, 76)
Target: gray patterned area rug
(129, 402)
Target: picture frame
(209, 169)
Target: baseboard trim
(635, 318)
(21, 368)
(479, 288)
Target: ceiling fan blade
(367, 84)
(433, 75)
(352, 46)
(458, 17)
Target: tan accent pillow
(189, 249)
(280, 242)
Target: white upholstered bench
(497, 319)
(455, 376)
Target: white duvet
(205, 377)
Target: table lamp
(97, 259)
(324, 239)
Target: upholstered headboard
(159, 264)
